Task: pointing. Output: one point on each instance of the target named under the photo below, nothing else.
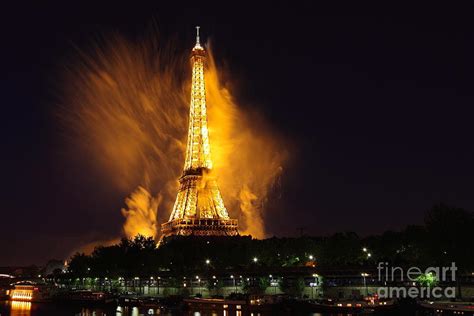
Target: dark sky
(377, 100)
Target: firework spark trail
(127, 109)
(248, 155)
(141, 213)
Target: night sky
(377, 102)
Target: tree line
(444, 237)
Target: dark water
(51, 309)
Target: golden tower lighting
(199, 209)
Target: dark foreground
(52, 309)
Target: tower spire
(198, 44)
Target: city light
(364, 275)
(22, 293)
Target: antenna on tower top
(197, 36)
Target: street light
(135, 283)
(199, 283)
(311, 257)
(364, 275)
(255, 259)
(208, 261)
(315, 276)
(235, 286)
(273, 283)
(158, 285)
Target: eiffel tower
(199, 209)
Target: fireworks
(126, 108)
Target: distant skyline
(376, 101)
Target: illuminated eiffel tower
(199, 209)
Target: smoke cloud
(125, 106)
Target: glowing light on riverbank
(22, 293)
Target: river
(52, 309)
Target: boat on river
(31, 292)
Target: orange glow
(248, 153)
(141, 214)
(126, 111)
(22, 293)
(20, 308)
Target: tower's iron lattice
(199, 209)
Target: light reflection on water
(19, 308)
(50, 309)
